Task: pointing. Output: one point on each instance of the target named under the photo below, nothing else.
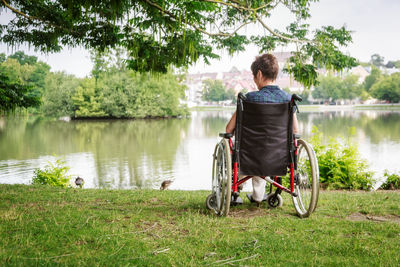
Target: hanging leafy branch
(159, 33)
(14, 95)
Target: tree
(100, 63)
(27, 70)
(332, 88)
(159, 33)
(390, 64)
(57, 96)
(327, 89)
(349, 87)
(214, 90)
(23, 58)
(387, 88)
(14, 95)
(88, 100)
(372, 78)
(231, 94)
(377, 60)
(17, 82)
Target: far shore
(312, 107)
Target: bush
(392, 181)
(54, 175)
(340, 164)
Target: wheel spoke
(307, 184)
(221, 178)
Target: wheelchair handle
(242, 96)
(296, 97)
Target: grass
(40, 225)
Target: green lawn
(41, 225)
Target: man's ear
(259, 74)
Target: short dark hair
(267, 64)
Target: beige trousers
(258, 187)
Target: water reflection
(378, 126)
(116, 154)
(142, 153)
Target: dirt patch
(358, 217)
(247, 213)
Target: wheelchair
(264, 146)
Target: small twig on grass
(223, 260)
(158, 251)
(87, 220)
(115, 252)
(52, 257)
(229, 262)
(208, 255)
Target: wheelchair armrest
(226, 135)
(296, 136)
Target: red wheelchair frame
(303, 166)
(274, 182)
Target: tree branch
(16, 11)
(221, 34)
(282, 36)
(33, 18)
(237, 5)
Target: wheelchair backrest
(262, 137)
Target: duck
(165, 184)
(79, 182)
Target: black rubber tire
(274, 201)
(222, 178)
(307, 184)
(210, 202)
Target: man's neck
(266, 83)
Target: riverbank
(312, 107)
(41, 225)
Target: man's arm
(295, 124)
(230, 127)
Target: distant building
(238, 80)
(361, 72)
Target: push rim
(222, 178)
(306, 180)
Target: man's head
(265, 69)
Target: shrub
(54, 175)
(392, 181)
(340, 164)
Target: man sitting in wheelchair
(265, 148)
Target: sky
(375, 25)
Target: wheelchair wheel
(220, 199)
(306, 180)
(210, 202)
(274, 201)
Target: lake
(142, 153)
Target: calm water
(143, 153)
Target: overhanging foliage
(158, 33)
